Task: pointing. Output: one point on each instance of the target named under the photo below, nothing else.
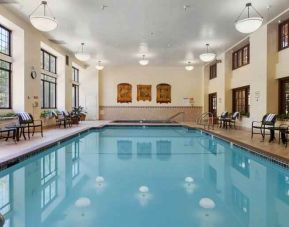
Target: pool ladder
(176, 115)
(207, 120)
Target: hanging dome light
(143, 61)
(189, 66)
(208, 57)
(81, 55)
(99, 66)
(43, 22)
(249, 24)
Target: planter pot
(82, 117)
(75, 120)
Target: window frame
(74, 69)
(247, 92)
(49, 66)
(213, 71)
(239, 55)
(9, 40)
(281, 91)
(10, 85)
(43, 92)
(76, 97)
(280, 35)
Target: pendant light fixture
(249, 24)
(81, 55)
(189, 66)
(208, 57)
(44, 23)
(99, 67)
(144, 61)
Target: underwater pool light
(99, 180)
(189, 180)
(207, 203)
(144, 189)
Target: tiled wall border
(247, 148)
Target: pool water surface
(145, 177)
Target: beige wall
(184, 84)
(26, 45)
(267, 65)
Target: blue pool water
(230, 188)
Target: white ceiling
(162, 29)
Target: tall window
(48, 85)
(241, 100)
(213, 71)
(241, 57)
(5, 69)
(48, 61)
(5, 85)
(284, 35)
(48, 80)
(5, 41)
(284, 96)
(75, 87)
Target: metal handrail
(210, 120)
(2, 220)
(174, 116)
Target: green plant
(282, 117)
(9, 114)
(46, 114)
(245, 114)
(78, 111)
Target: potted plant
(79, 113)
(8, 115)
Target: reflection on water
(164, 149)
(124, 149)
(247, 191)
(144, 150)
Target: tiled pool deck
(10, 151)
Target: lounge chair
(267, 123)
(27, 124)
(233, 119)
(62, 118)
(222, 118)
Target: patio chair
(233, 119)
(62, 118)
(267, 123)
(222, 117)
(28, 124)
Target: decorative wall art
(124, 91)
(164, 93)
(144, 93)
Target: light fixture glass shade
(249, 25)
(43, 23)
(144, 62)
(208, 57)
(99, 67)
(82, 56)
(189, 67)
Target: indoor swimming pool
(145, 177)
